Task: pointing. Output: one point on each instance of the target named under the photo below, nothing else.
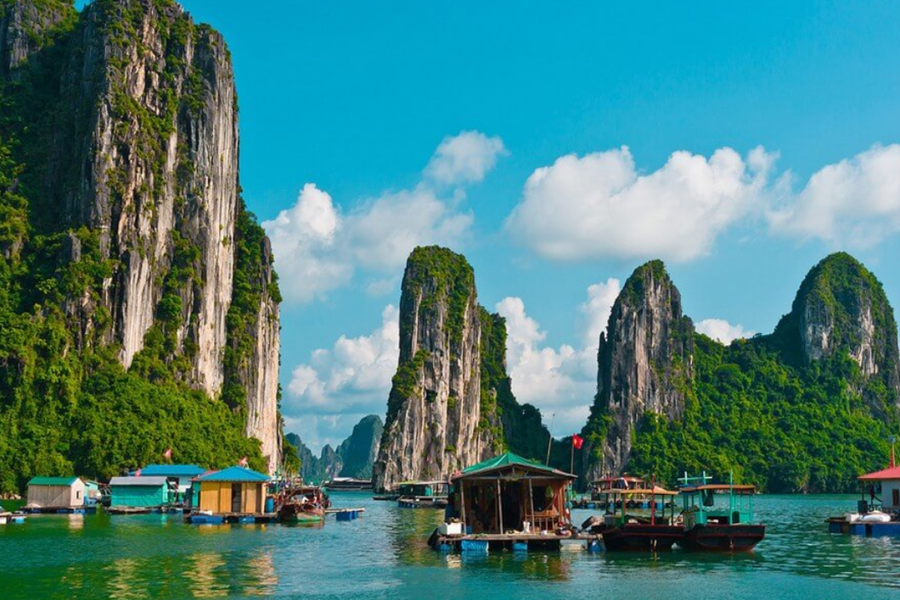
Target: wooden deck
(512, 541)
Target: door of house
(236, 497)
(895, 496)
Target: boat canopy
(718, 487)
(892, 473)
(656, 490)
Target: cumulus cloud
(319, 247)
(560, 381)
(352, 377)
(855, 202)
(601, 206)
(722, 330)
(464, 158)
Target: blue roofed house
(234, 490)
(181, 475)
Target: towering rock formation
(435, 424)
(841, 307)
(644, 365)
(139, 180)
(358, 451)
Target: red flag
(577, 441)
(243, 462)
(168, 453)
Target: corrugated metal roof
(884, 475)
(171, 470)
(141, 481)
(52, 480)
(510, 459)
(234, 474)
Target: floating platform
(230, 518)
(345, 514)
(863, 528)
(59, 510)
(133, 510)
(386, 497)
(513, 542)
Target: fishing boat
(303, 504)
(712, 526)
(624, 529)
(876, 515)
(422, 494)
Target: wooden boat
(712, 528)
(622, 529)
(423, 494)
(304, 504)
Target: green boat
(302, 505)
(714, 527)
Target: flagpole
(550, 438)
(572, 459)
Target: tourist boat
(875, 516)
(600, 487)
(422, 494)
(712, 527)
(303, 504)
(623, 529)
(348, 484)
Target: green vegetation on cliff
(66, 403)
(777, 418)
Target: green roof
(52, 480)
(511, 459)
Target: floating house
(55, 493)
(138, 494)
(506, 502)
(234, 493)
(875, 515)
(180, 475)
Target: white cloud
(854, 202)
(353, 377)
(600, 206)
(319, 248)
(722, 330)
(465, 158)
(560, 381)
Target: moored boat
(304, 504)
(713, 527)
(624, 529)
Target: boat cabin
(888, 480)
(55, 493)
(700, 506)
(621, 502)
(510, 493)
(233, 491)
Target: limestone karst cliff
(644, 362)
(125, 219)
(805, 408)
(451, 403)
(433, 424)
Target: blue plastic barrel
(473, 546)
(270, 504)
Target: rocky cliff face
(644, 365)
(434, 422)
(841, 308)
(141, 176)
(358, 451)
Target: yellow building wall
(209, 496)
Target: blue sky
(356, 97)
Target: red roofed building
(890, 487)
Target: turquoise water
(384, 555)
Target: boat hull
(637, 537)
(422, 503)
(723, 538)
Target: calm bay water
(384, 555)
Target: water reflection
(76, 522)
(126, 581)
(206, 581)
(262, 579)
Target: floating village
(505, 504)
